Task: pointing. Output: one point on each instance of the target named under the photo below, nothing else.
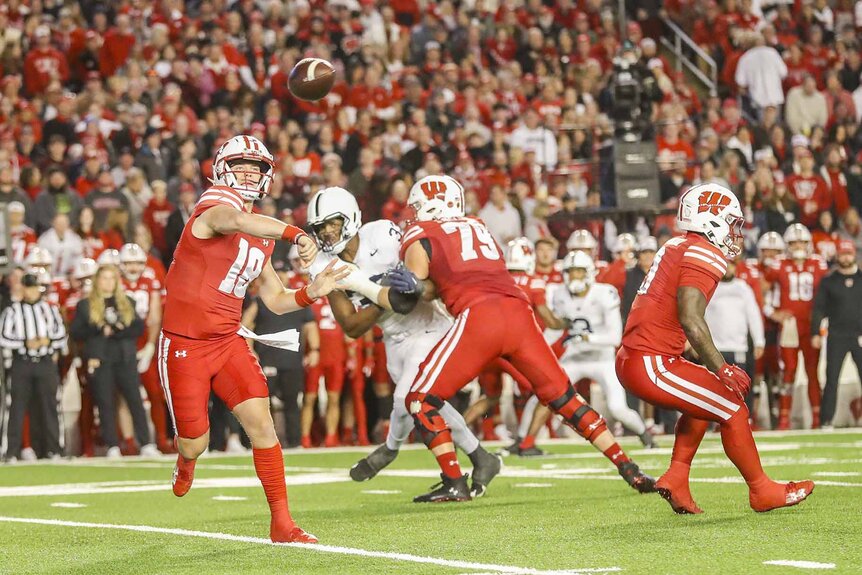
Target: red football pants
(497, 327)
(674, 383)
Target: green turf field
(567, 512)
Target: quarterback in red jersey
(223, 248)
(669, 309)
(797, 278)
(456, 258)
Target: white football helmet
(331, 203)
(521, 256)
(648, 244)
(109, 258)
(133, 261)
(625, 242)
(39, 258)
(437, 197)
(770, 241)
(713, 210)
(85, 269)
(582, 240)
(579, 260)
(243, 148)
(798, 233)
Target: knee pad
(426, 416)
(580, 416)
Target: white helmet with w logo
(521, 256)
(798, 233)
(713, 211)
(247, 148)
(436, 197)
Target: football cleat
(787, 495)
(514, 449)
(637, 479)
(531, 452)
(679, 497)
(368, 467)
(485, 468)
(289, 532)
(447, 490)
(183, 475)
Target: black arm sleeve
(81, 328)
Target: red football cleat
(780, 495)
(679, 497)
(289, 532)
(184, 474)
(331, 441)
(306, 441)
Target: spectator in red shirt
(156, 214)
(90, 174)
(117, 46)
(835, 177)
(44, 63)
(809, 189)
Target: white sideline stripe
(534, 485)
(800, 564)
(229, 498)
(837, 473)
(308, 547)
(68, 505)
(382, 491)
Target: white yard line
(800, 564)
(406, 557)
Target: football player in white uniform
(373, 250)
(596, 328)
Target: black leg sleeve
(291, 383)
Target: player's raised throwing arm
(691, 305)
(282, 300)
(224, 220)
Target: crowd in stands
(111, 111)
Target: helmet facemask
(322, 230)
(231, 176)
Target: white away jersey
(379, 245)
(597, 316)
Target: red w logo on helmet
(433, 189)
(712, 202)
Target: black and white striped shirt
(22, 321)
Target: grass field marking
(64, 505)
(381, 491)
(229, 498)
(800, 564)
(837, 473)
(319, 548)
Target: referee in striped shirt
(33, 330)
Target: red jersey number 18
(246, 267)
(470, 231)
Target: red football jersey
(23, 240)
(614, 274)
(141, 291)
(467, 266)
(749, 272)
(333, 347)
(797, 284)
(532, 286)
(653, 324)
(207, 280)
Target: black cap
(29, 280)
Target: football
(311, 79)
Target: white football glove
(145, 356)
